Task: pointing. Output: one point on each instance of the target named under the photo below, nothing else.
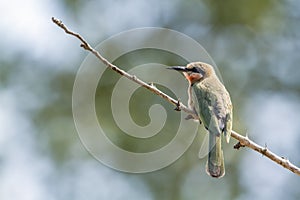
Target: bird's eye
(194, 69)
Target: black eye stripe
(196, 70)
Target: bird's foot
(188, 117)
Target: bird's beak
(179, 68)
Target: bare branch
(150, 86)
(243, 141)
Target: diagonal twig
(243, 141)
(151, 87)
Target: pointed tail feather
(215, 165)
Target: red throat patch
(193, 77)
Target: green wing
(214, 108)
(206, 101)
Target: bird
(211, 101)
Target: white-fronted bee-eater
(214, 108)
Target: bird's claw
(188, 117)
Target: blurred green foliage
(254, 43)
(247, 13)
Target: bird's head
(196, 71)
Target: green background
(255, 45)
